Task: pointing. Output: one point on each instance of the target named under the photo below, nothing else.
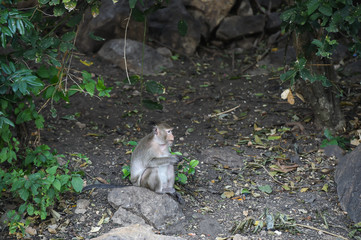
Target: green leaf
(326, 9)
(24, 194)
(182, 178)
(52, 170)
(182, 28)
(12, 25)
(132, 3)
(312, 6)
(318, 43)
(147, 103)
(59, 10)
(20, 26)
(30, 209)
(57, 184)
(77, 183)
(154, 87)
(96, 38)
(266, 189)
(138, 15)
(193, 163)
(69, 36)
(288, 76)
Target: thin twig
(227, 111)
(259, 165)
(320, 230)
(125, 45)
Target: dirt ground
(196, 89)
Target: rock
(209, 13)
(81, 206)
(125, 218)
(225, 156)
(348, 180)
(275, 4)
(353, 68)
(134, 232)
(237, 26)
(163, 26)
(109, 24)
(153, 62)
(158, 209)
(245, 9)
(210, 227)
(273, 22)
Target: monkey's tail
(103, 186)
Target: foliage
(330, 140)
(186, 169)
(323, 19)
(38, 42)
(151, 87)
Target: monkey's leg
(150, 179)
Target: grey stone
(125, 218)
(158, 209)
(209, 13)
(152, 63)
(134, 232)
(225, 156)
(237, 26)
(353, 68)
(273, 22)
(163, 26)
(348, 180)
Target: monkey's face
(170, 137)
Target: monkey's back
(139, 159)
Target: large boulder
(159, 210)
(139, 61)
(163, 27)
(209, 13)
(348, 180)
(109, 24)
(235, 27)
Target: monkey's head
(163, 134)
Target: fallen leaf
(265, 188)
(86, 63)
(285, 93)
(325, 187)
(258, 140)
(299, 95)
(304, 189)
(95, 229)
(228, 194)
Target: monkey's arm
(104, 186)
(156, 162)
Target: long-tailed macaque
(152, 165)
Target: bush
(35, 56)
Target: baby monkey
(152, 165)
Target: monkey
(152, 164)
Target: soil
(197, 88)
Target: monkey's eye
(169, 131)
